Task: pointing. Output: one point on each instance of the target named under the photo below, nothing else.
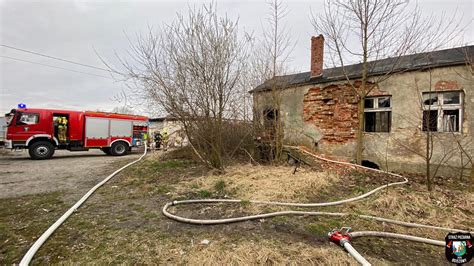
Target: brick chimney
(317, 52)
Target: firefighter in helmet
(165, 139)
(62, 128)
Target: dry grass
(267, 252)
(439, 209)
(263, 182)
(122, 222)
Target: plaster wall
(397, 150)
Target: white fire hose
(398, 236)
(281, 213)
(356, 255)
(346, 243)
(34, 248)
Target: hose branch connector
(340, 236)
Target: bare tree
(368, 30)
(269, 60)
(465, 145)
(191, 68)
(123, 110)
(439, 149)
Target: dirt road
(74, 172)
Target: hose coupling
(340, 236)
(174, 202)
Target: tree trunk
(360, 131)
(428, 161)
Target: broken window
(443, 114)
(451, 97)
(270, 116)
(451, 120)
(430, 98)
(378, 114)
(383, 102)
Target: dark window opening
(369, 103)
(451, 98)
(384, 102)
(430, 120)
(378, 121)
(370, 164)
(270, 117)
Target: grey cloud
(70, 29)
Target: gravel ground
(74, 172)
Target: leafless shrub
(191, 69)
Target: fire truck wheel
(41, 150)
(119, 148)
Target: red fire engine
(39, 131)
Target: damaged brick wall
(332, 109)
(447, 85)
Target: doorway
(61, 128)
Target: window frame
(20, 114)
(440, 107)
(376, 109)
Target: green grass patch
(322, 227)
(195, 186)
(245, 203)
(163, 189)
(205, 193)
(160, 165)
(150, 167)
(358, 190)
(23, 220)
(219, 186)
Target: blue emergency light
(21, 105)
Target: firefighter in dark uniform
(158, 139)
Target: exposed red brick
(447, 85)
(377, 92)
(317, 53)
(332, 109)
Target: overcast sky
(71, 29)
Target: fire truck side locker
(97, 132)
(112, 135)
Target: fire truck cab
(41, 132)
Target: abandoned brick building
(319, 109)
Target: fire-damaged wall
(332, 109)
(324, 117)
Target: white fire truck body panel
(97, 128)
(121, 128)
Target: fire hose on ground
(342, 238)
(40, 241)
(336, 236)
